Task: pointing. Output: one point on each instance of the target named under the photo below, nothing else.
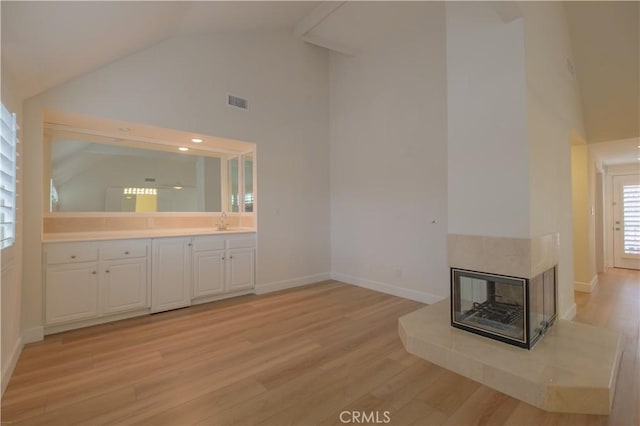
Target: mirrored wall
(94, 173)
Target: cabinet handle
(230, 257)
(126, 252)
(107, 271)
(93, 272)
(73, 256)
(222, 257)
(190, 244)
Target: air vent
(235, 101)
(149, 179)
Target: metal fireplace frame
(527, 342)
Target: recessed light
(196, 140)
(183, 148)
(124, 129)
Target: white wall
(553, 114)
(182, 83)
(388, 156)
(488, 177)
(584, 266)
(11, 260)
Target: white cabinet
(71, 292)
(223, 264)
(171, 273)
(98, 281)
(241, 266)
(124, 285)
(124, 279)
(88, 280)
(208, 273)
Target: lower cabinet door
(241, 267)
(71, 292)
(208, 273)
(124, 285)
(171, 274)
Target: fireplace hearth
(513, 310)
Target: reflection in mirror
(234, 187)
(247, 167)
(96, 177)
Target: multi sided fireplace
(514, 310)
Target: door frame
(610, 172)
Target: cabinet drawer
(241, 243)
(208, 243)
(124, 250)
(71, 253)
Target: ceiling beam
(304, 27)
(507, 10)
(315, 17)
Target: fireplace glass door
(490, 305)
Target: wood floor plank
(298, 357)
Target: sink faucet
(222, 225)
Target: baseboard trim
(393, 290)
(11, 365)
(295, 282)
(570, 313)
(586, 287)
(34, 334)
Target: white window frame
(8, 177)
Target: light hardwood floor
(299, 357)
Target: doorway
(626, 217)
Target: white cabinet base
(222, 296)
(52, 329)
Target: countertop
(140, 233)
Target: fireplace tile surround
(515, 257)
(573, 369)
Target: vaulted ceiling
(47, 43)
(606, 47)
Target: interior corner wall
(11, 257)
(553, 115)
(181, 83)
(488, 173)
(583, 249)
(389, 157)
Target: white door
(626, 216)
(171, 274)
(71, 292)
(208, 273)
(124, 285)
(241, 265)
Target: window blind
(8, 174)
(631, 217)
